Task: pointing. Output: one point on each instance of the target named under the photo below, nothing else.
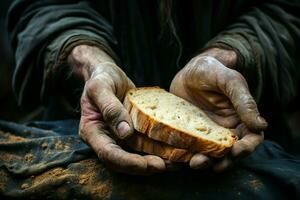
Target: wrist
(84, 59)
(227, 57)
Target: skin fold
(223, 94)
(103, 117)
(207, 81)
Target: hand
(103, 116)
(224, 95)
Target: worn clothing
(265, 34)
(150, 46)
(48, 160)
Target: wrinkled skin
(220, 91)
(208, 82)
(103, 117)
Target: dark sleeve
(267, 41)
(42, 33)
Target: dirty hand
(209, 83)
(103, 116)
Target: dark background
(9, 110)
(8, 106)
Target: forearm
(265, 42)
(226, 56)
(42, 38)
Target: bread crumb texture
(177, 115)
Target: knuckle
(110, 111)
(250, 103)
(199, 63)
(92, 86)
(236, 78)
(206, 60)
(193, 71)
(104, 153)
(203, 62)
(235, 75)
(251, 109)
(98, 84)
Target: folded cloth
(47, 159)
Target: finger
(113, 112)
(155, 164)
(200, 161)
(237, 91)
(246, 145)
(223, 165)
(110, 153)
(230, 121)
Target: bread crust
(159, 131)
(140, 142)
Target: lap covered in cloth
(48, 160)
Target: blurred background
(8, 106)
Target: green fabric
(264, 33)
(50, 161)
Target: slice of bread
(140, 142)
(165, 117)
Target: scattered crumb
(44, 146)
(102, 189)
(10, 158)
(29, 157)
(67, 147)
(88, 178)
(3, 180)
(24, 186)
(84, 179)
(255, 184)
(46, 176)
(10, 138)
(58, 145)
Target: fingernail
(261, 120)
(123, 128)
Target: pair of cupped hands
(208, 81)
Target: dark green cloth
(265, 34)
(47, 160)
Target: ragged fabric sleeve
(267, 40)
(42, 33)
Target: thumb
(112, 110)
(236, 89)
